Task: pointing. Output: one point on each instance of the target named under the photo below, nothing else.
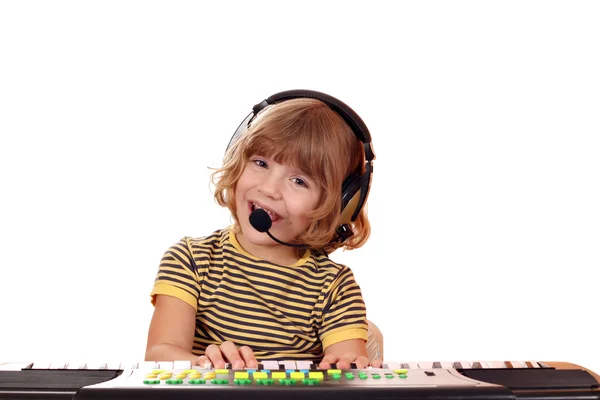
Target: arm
(171, 332)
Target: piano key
(113, 365)
(96, 365)
(270, 364)
(353, 366)
(446, 364)
(514, 364)
(436, 364)
(41, 365)
(300, 365)
(77, 365)
(496, 364)
(146, 365)
(476, 365)
(425, 365)
(391, 365)
(166, 365)
(129, 364)
(182, 365)
(404, 365)
(288, 364)
(531, 364)
(15, 366)
(542, 365)
(466, 364)
(457, 365)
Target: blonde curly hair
(308, 135)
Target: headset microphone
(260, 220)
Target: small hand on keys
(239, 358)
(344, 361)
(243, 357)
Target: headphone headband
(352, 118)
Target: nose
(270, 186)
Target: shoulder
(189, 247)
(326, 266)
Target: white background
(484, 205)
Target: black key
(437, 364)
(353, 366)
(405, 365)
(260, 366)
(457, 365)
(476, 365)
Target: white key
(288, 364)
(391, 365)
(533, 363)
(166, 365)
(14, 366)
(270, 364)
(496, 364)
(465, 364)
(446, 364)
(413, 365)
(183, 364)
(516, 364)
(96, 365)
(129, 365)
(425, 364)
(113, 365)
(58, 365)
(77, 365)
(41, 365)
(148, 365)
(303, 365)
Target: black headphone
(355, 187)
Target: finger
(345, 360)
(377, 363)
(213, 352)
(203, 362)
(248, 357)
(231, 353)
(327, 361)
(361, 362)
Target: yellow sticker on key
(297, 375)
(315, 375)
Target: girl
(295, 177)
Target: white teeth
(256, 206)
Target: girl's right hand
(218, 356)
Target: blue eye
(299, 182)
(260, 163)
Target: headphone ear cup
(355, 190)
(350, 197)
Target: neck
(276, 253)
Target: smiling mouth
(274, 216)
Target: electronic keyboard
(300, 380)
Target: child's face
(287, 194)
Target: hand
(344, 361)
(238, 357)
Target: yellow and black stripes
(279, 311)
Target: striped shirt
(281, 312)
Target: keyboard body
(298, 380)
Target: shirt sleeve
(344, 312)
(178, 275)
